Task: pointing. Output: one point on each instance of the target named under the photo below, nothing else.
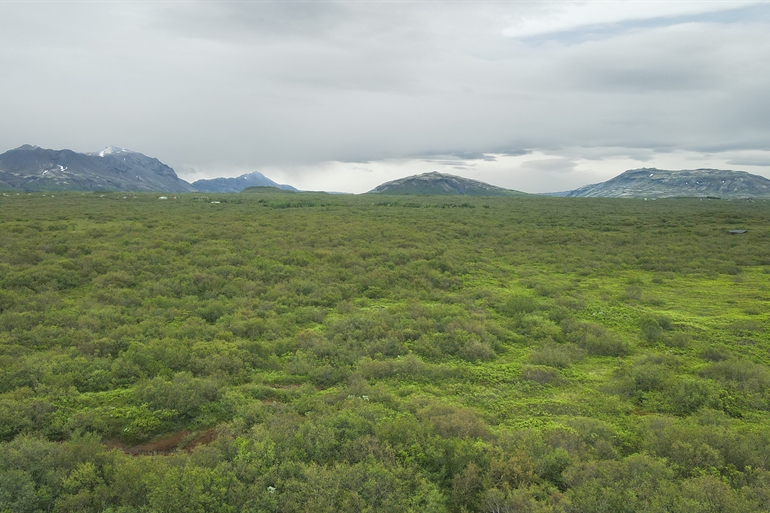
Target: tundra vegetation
(309, 352)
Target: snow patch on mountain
(111, 150)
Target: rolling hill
(442, 185)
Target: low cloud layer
(299, 89)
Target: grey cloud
(649, 63)
(473, 155)
(487, 156)
(604, 153)
(231, 86)
(252, 20)
(451, 158)
(448, 162)
(551, 165)
(512, 152)
(765, 162)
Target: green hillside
(311, 352)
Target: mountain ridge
(239, 183)
(435, 183)
(32, 168)
(662, 183)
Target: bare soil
(167, 444)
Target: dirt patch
(203, 438)
(168, 444)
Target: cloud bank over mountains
(533, 96)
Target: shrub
(650, 377)
(595, 339)
(710, 493)
(714, 353)
(517, 305)
(450, 421)
(690, 395)
(556, 355)
(651, 329)
(473, 348)
(184, 393)
(745, 374)
(637, 483)
(745, 327)
(633, 293)
(678, 340)
(541, 375)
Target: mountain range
(635, 183)
(31, 168)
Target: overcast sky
(531, 95)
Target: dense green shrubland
(383, 354)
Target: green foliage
(652, 331)
(595, 339)
(557, 355)
(311, 352)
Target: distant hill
(254, 179)
(266, 189)
(31, 168)
(659, 183)
(441, 184)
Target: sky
(536, 96)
